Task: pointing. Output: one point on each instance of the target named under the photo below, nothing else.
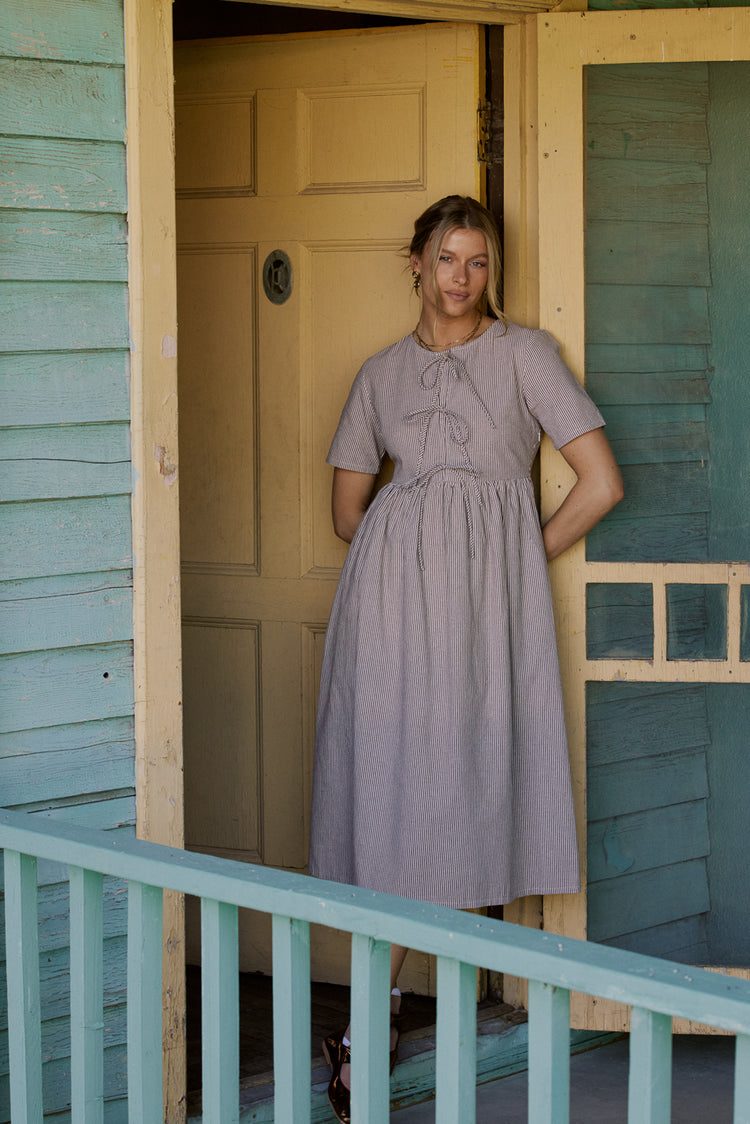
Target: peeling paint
(167, 468)
(168, 346)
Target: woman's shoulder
(389, 358)
(517, 335)
(393, 350)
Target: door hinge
(484, 131)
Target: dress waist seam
(461, 470)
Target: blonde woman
(441, 765)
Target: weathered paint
(552, 964)
(666, 865)
(662, 858)
(66, 660)
(648, 301)
(728, 174)
(156, 576)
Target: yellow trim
(478, 11)
(153, 326)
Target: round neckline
(453, 346)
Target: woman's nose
(459, 274)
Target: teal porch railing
(655, 989)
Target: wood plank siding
(66, 639)
(667, 259)
(647, 304)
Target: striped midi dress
(441, 766)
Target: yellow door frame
(156, 569)
(152, 250)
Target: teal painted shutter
(667, 255)
(66, 680)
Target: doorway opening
(276, 154)
(261, 387)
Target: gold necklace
(451, 343)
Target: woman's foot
(338, 1057)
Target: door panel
(325, 147)
(650, 610)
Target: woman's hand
(596, 491)
(350, 498)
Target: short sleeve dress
(441, 766)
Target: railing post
(456, 1049)
(742, 1080)
(291, 1020)
(650, 1080)
(220, 1016)
(371, 1004)
(24, 1006)
(86, 997)
(144, 1004)
(549, 1054)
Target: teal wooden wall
(622, 5)
(669, 863)
(729, 234)
(66, 638)
(648, 275)
(668, 270)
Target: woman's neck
(438, 333)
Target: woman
(441, 766)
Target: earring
(416, 279)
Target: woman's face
(461, 275)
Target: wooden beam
(474, 11)
(156, 570)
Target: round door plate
(277, 277)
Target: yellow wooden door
(314, 153)
(664, 678)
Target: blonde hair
(464, 213)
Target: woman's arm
(597, 490)
(350, 498)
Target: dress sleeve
(358, 443)
(553, 394)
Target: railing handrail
(629, 978)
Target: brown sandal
(338, 1055)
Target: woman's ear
(415, 262)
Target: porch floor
(702, 1087)
(330, 1012)
(703, 1068)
